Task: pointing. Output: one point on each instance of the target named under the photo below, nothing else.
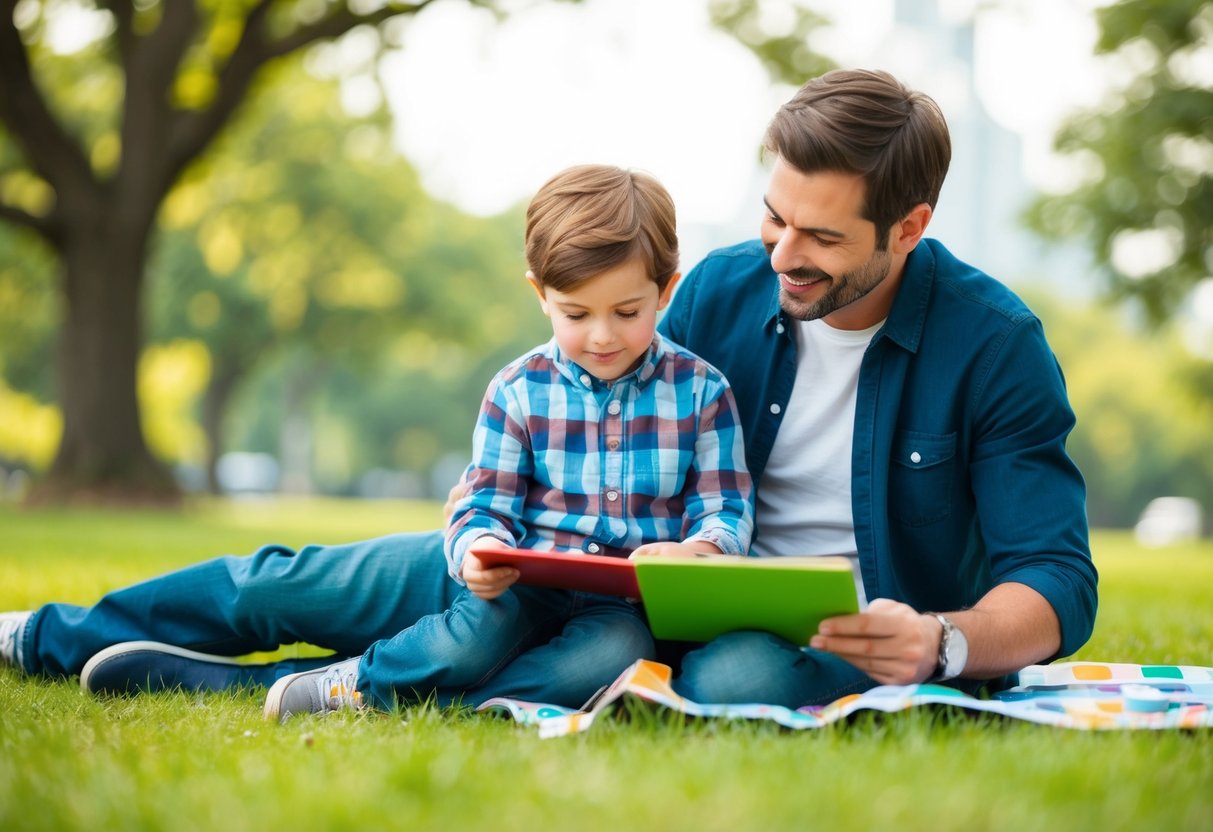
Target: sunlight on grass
(208, 762)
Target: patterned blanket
(1095, 696)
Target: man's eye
(774, 220)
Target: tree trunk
(102, 456)
(224, 379)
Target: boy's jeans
(533, 643)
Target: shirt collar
(908, 315)
(575, 374)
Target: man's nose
(787, 255)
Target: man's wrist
(953, 652)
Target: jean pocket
(921, 477)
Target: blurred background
(276, 247)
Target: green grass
(209, 762)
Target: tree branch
(17, 216)
(51, 151)
(193, 131)
(124, 16)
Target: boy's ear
(535, 284)
(663, 300)
(909, 230)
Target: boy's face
(606, 323)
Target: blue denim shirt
(960, 477)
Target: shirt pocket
(921, 477)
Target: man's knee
(740, 667)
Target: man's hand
(487, 583)
(890, 642)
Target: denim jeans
(343, 598)
(534, 643)
(748, 666)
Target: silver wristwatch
(953, 651)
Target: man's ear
(663, 300)
(906, 233)
(538, 287)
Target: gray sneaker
(12, 625)
(317, 691)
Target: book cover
(697, 599)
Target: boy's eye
(574, 316)
(628, 313)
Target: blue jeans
(343, 598)
(533, 643)
(746, 666)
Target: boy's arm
(719, 502)
(495, 482)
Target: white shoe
(317, 691)
(12, 627)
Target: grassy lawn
(209, 762)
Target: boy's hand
(487, 583)
(677, 550)
(457, 493)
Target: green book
(697, 599)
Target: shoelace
(340, 690)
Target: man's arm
(1011, 627)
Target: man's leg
(745, 667)
(338, 597)
(603, 638)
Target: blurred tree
(1146, 205)
(1141, 432)
(777, 33)
(304, 232)
(94, 137)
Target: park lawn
(209, 762)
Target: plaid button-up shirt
(564, 461)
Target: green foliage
(209, 762)
(1149, 151)
(1142, 431)
(779, 36)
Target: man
(898, 406)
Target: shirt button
(916, 457)
(614, 407)
(775, 408)
(612, 496)
(779, 328)
(592, 548)
(612, 444)
(585, 379)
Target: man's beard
(845, 289)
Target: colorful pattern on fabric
(562, 459)
(1093, 696)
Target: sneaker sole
(273, 699)
(128, 647)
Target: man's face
(824, 250)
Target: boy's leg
(338, 597)
(445, 654)
(603, 638)
(748, 666)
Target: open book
(697, 599)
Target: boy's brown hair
(867, 123)
(589, 219)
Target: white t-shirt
(804, 497)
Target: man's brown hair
(867, 123)
(591, 218)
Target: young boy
(606, 439)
